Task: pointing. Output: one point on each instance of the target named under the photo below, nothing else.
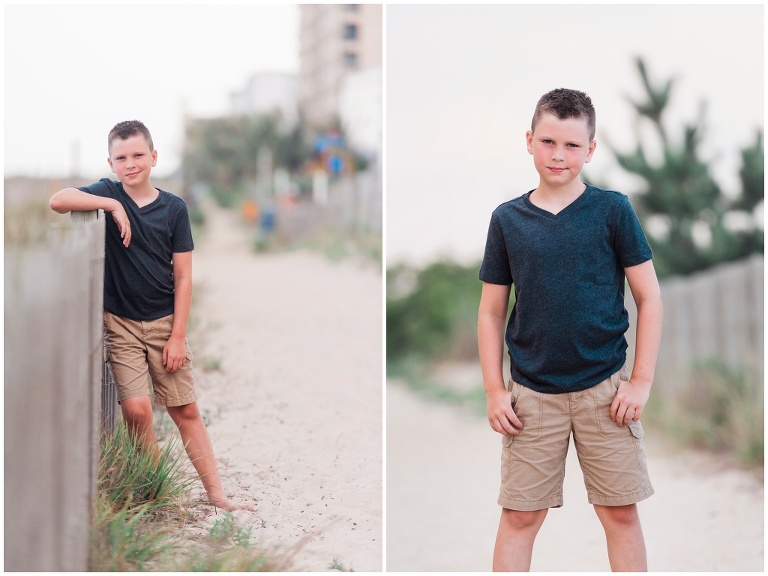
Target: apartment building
(336, 41)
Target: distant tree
(681, 196)
(222, 152)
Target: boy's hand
(174, 354)
(630, 401)
(123, 224)
(501, 416)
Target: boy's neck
(142, 195)
(556, 199)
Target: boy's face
(560, 148)
(132, 160)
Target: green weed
(225, 531)
(211, 364)
(338, 566)
(717, 408)
(125, 538)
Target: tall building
(336, 41)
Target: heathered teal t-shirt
(138, 280)
(566, 330)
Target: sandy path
(442, 484)
(295, 408)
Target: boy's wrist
(641, 381)
(113, 205)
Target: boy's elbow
(57, 203)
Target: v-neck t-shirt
(138, 280)
(566, 329)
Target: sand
(442, 483)
(288, 360)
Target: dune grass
(142, 511)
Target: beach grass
(142, 513)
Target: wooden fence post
(101, 376)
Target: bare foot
(229, 505)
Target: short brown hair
(565, 103)
(124, 130)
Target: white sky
(71, 72)
(462, 83)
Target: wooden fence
(54, 374)
(713, 318)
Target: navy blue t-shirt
(566, 330)
(138, 280)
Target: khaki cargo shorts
(611, 456)
(135, 353)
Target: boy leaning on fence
(567, 248)
(147, 297)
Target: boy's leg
(615, 472)
(624, 535)
(200, 451)
(138, 416)
(514, 540)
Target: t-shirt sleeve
(103, 187)
(181, 231)
(495, 268)
(631, 245)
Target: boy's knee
(626, 515)
(523, 519)
(137, 411)
(186, 412)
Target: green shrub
(432, 313)
(718, 408)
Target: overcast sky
(73, 71)
(462, 83)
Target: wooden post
(102, 378)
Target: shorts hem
(531, 506)
(623, 499)
(183, 401)
(131, 394)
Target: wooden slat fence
(716, 316)
(54, 368)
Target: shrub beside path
(288, 361)
(442, 484)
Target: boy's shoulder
(103, 187)
(512, 204)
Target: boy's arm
(72, 199)
(174, 352)
(491, 318)
(633, 395)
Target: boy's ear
(154, 158)
(109, 161)
(529, 141)
(590, 151)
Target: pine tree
(680, 193)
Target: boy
(147, 297)
(567, 247)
